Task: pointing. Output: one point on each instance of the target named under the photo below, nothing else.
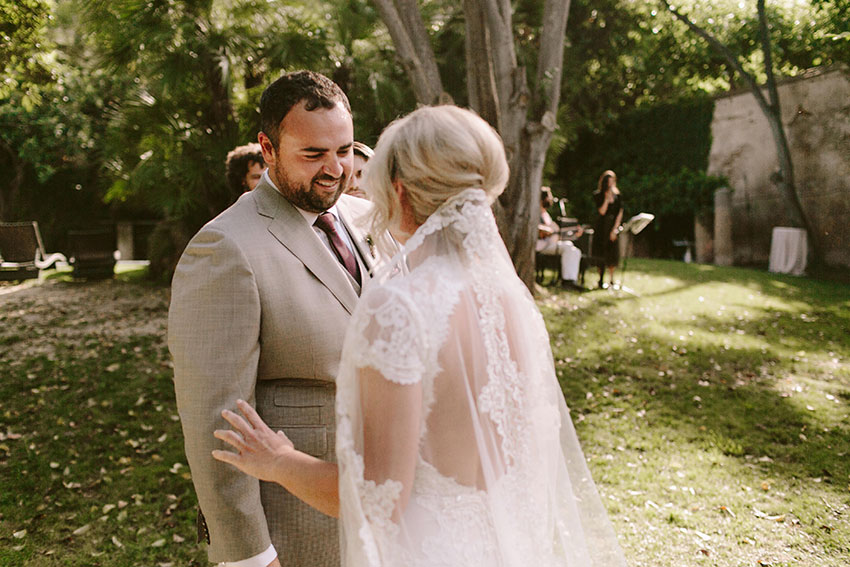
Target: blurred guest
(549, 242)
(362, 154)
(244, 167)
(609, 205)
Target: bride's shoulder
(393, 292)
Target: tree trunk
(785, 182)
(480, 84)
(785, 177)
(518, 208)
(498, 91)
(528, 120)
(404, 22)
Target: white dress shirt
(311, 217)
(259, 560)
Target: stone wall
(816, 115)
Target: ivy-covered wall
(660, 155)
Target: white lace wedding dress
(453, 439)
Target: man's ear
(269, 154)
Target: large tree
(498, 89)
(770, 105)
(51, 112)
(24, 74)
(197, 69)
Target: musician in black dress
(609, 205)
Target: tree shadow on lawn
(740, 411)
(822, 307)
(739, 400)
(725, 432)
(753, 386)
(789, 288)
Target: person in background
(609, 205)
(549, 242)
(362, 153)
(244, 167)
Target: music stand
(633, 226)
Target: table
(788, 251)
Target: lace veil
(454, 442)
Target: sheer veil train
(499, 478)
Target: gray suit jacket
(259, 308)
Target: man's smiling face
(313, 160)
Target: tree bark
(413, 48)
(786, 182)
(480, 79)
(772, 112)
(527, 127)
(499, 92)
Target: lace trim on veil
(468, 214)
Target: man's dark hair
(278, 99)
(238, 161)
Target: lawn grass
(91, 453)
(713, 409)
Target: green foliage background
(126, 109)
(660, 154)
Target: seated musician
(553, 240)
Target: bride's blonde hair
(435, 152)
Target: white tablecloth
(788, 249)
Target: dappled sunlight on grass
(713, 408)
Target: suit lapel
(290, 229)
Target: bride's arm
(391, 417)
(271, 456)
(391, 423)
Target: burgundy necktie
(325, 221)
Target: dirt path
(36, 317)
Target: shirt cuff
(260, 560)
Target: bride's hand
(260, 451)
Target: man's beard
(304, 197)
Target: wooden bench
(22, 254)
(92, 253)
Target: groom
(260, 301)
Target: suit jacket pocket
(310, 440)
(304, 410)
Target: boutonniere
(371, 243)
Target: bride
(454, 444)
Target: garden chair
(92, 253)
(22, 253)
